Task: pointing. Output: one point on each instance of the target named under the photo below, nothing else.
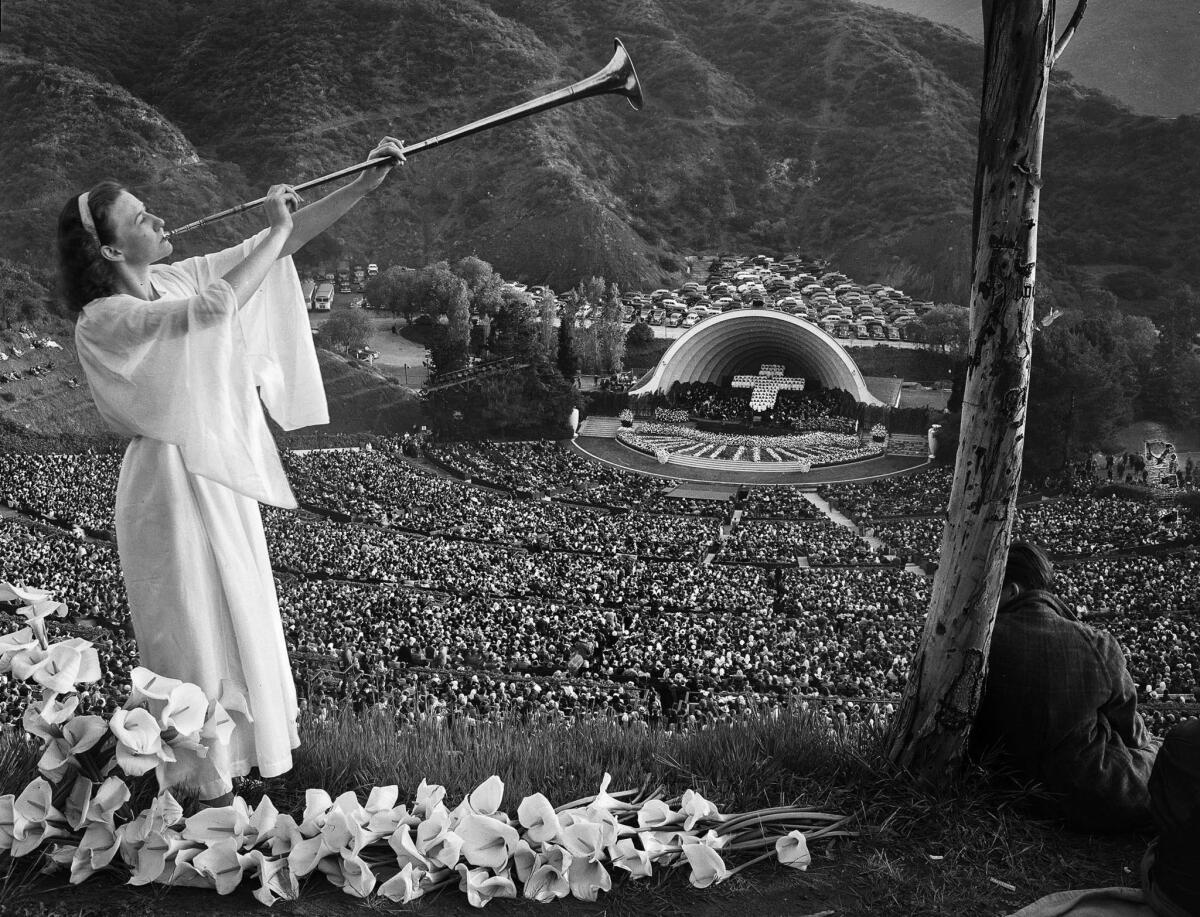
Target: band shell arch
(742, 340)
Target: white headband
(85, 216)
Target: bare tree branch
(1069, 32)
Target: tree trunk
(929, 735)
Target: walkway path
(843, 520)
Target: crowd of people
(374, 487)
(919, 494)
(553, 469)
(68, 488)
(396, 608)
(819, 541)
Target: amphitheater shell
(741, 341)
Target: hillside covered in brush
(829, 128)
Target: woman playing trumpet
(177, 357)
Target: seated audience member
(1171, 868)
(1059, 705)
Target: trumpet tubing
(617, 77)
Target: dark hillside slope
(831, 127)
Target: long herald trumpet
(617, 76)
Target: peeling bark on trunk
(929, 735)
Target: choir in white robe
(183, 375)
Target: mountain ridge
(835, 129)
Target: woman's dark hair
(84, 273)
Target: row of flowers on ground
(809, 449)
(77, 812)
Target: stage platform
(613, 452)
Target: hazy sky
(1144, 53)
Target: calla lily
(401, 841)
(524, 858)
(60, 855)
(537, 816)
(482, 887)
(485, 841)
(139, 741)
(151, 859)
(17, 645)
(437, 841)
(36, 724)
(184, 873)
(350, 873)
(218, 726)
(78, 735)
(707, 866)
(548, 880)
(589, 839)
(96, 850)
(78, 801)
(634, 860)
(222, 863)
(307, 854)
(221, 823)
(429, 797)
(60, 667)
(285, 835)
(382, 798)
(383, 814)
(343, 834)
(36, 614)
(661, 846)
(486, 798)
(34, 818)
(276, 881)
(185, 710)
(27, 595)
(317, 804)
(404, 886)
(348, 804)
(87, 808)
(7, 818)
(189, 762)
(55, 712)
(164, 812)
(694, 807)
(263, 819)
(604, 802)
(150, 687)
(654, 813)
(792, 850)
(587, 878)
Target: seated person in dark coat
(1060, 707)
(1171, 868)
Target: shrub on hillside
(639, 335)
(344, 331)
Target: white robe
(179, 374)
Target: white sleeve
(174, 370)
(275, 334)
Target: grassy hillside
(360, 399)
(831, 127)
(1142, 54)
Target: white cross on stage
(766, 386)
